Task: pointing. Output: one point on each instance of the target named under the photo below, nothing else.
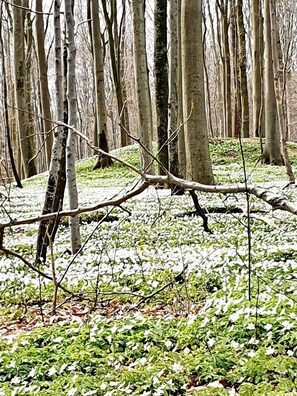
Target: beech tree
(258, 47)
(115, 34)
(143, 92)
(54, 195)
(22, 88)
(161, 79)
(43, 83)
(198, 166)
(245, 112)
(222, 6)
(272, 152)
(72, 114)
(99, 88)
(174, 100)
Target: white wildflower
(15, 380)
(143, 361)
(177, 367)
(12, 364)
(58, 340)
(63, 367)
(14, 348)
(145, 393)
(234, 344)
(269, 351)
(32, 372)
(204, 322)
(93, 392)
(290, 352)
(287, 325)
(268, 326)
(72, 392)
(103, 386)
(168, 343)
(251, 326)
(52, 371)
(251, 354)
(211, 342)
(114, 329)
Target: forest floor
(158, 305)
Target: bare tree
(279, 89)
(100, 100)
(54, 195)
(21, 90)
(161, 79)
(198, 165)
(115, 33)
(222, 5)
(72, 114)
(245, 112)
(258, 108)
(43, 82)
(272, 153)
(145, 127)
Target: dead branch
(75, 212)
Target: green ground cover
(161, 307)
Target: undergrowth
(159, 306)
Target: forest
(148, 153)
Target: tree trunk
(161, 81)
(115, 60)
(196, 138)
(278, 86)
(54, 195)
(236, 113)
(258, 108)
(173, 89)
(43, 83)
(143, 94)
(223, 7)
(98, 66)
(245, 112)
(71, 139)
(23, 119)
(272, 153)
(180, 117)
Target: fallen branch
(75, 212)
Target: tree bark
(71, 141)
(227, 110)
(98, 67)
(245, 112)
(43, 82)
(278, 86)
(6, 109)
(173, 89)
(181, 135)
(236, 109)
(143, 94)
(272, 153)
(198, 165)
(258, 108)
(161, 81)
(115, 59)
(54, 195)
(23, 120)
